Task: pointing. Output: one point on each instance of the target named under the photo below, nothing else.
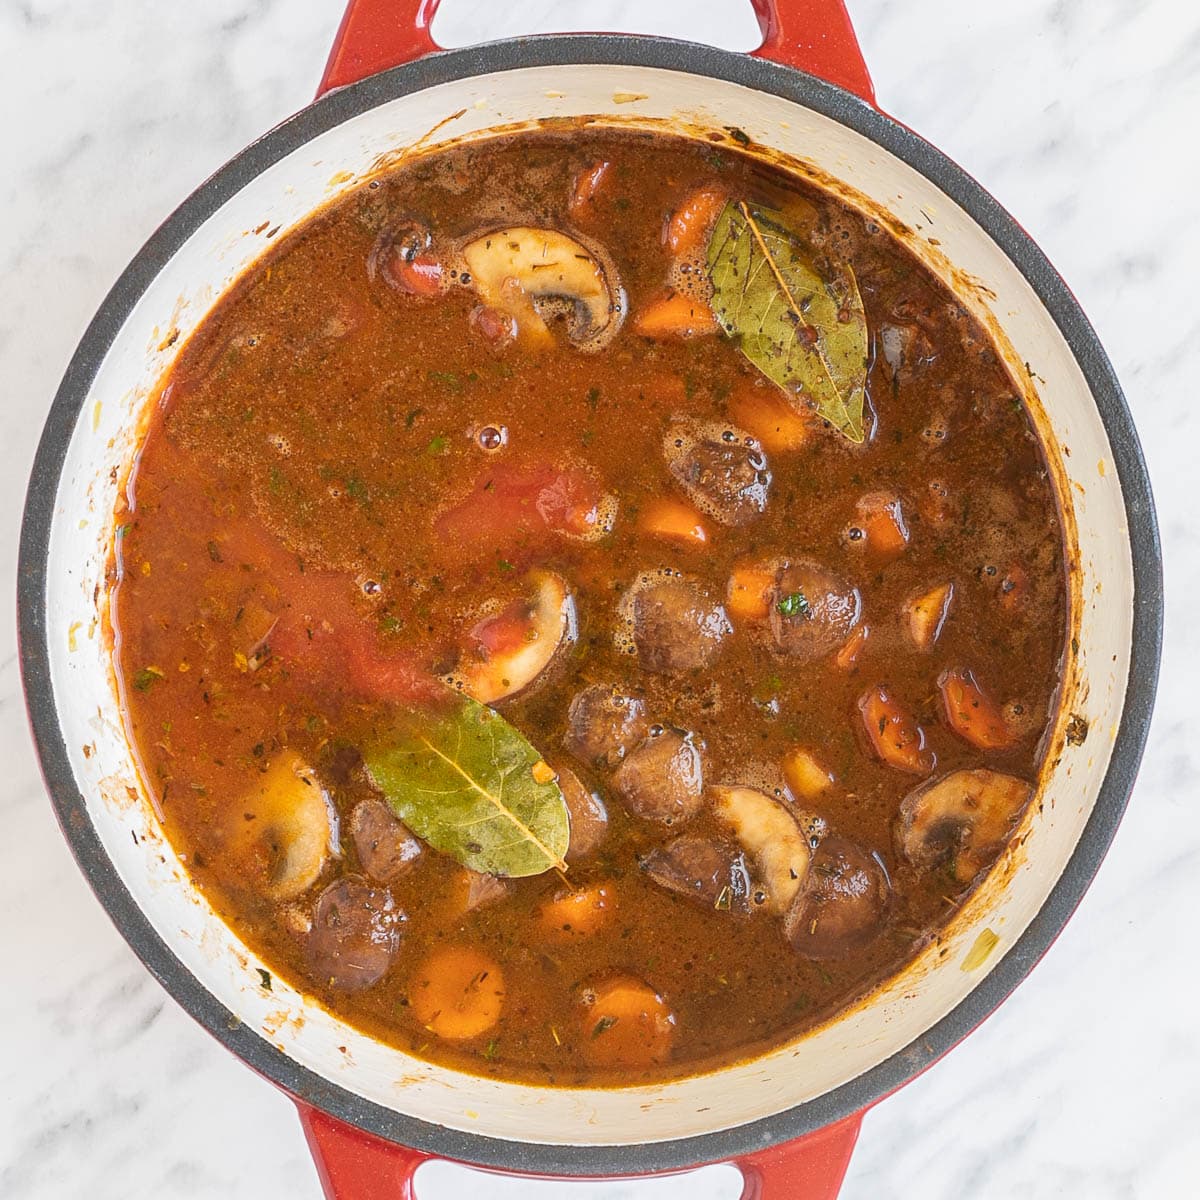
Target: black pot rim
(619, 1159)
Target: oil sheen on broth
(723, 510)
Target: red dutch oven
(788, 1119)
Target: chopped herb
(214, 552)
(122, 530)
(412, 416)
(603, 1026)
(504, 565)
(277, 481)
(622, 203)
(724, 901)
(447, 379)
(587, 436)
(357, 490)
(593, 397)
(492, 1047)
(146, 678)
(738, 135)
(795, 604)
(437, 445)
(265, 976)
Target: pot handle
(353, 1165)
(814, 36)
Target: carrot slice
(587, 184)
(769, 415)
(692, 221)
(748, 596)
(804, 774)
(927, 614)
(893, 734)
(853, 646)
(576, 914)
(971, 712)
(673, 520)
(675, 314)
(881, 519)
(625, 1023)
(457, 993)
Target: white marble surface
(1081, 117)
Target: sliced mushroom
(710, 872)
(604, 724)
(589, 817)
(673, 623)
(383, 843)
(811, 611)
(842, 904)
(722, 469)
(355, 934)
(524, 272)
(962, 820)
(663, 779)
(772, 838)
(286, 829)
(509, 650)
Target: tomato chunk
(893, 733)
(971, 712)
(313, 629)
(512, 504)
(322, 636)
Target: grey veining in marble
(1081, 116)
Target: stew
(589, 606)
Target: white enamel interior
(104, 438)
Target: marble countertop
(1081, 117)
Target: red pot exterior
(353, 1165)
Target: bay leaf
(462, 779)
(804, 329)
